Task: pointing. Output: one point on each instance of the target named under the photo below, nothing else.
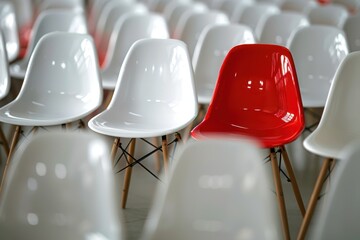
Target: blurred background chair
(279, 27)
(317, 51)
(49, 21)
(337, 127)
(331, 15)
(256, 15)
(154, 97)
(196, 23)
(55, 187)
(255, 97)
(105, 27)
(234, 8)
(62, 85)
(209, 174)
(9, 29)
(127, 31)
(352, 31)
(302, 7)
(337, 216)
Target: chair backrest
(317, 51)
(62, 81)
(339, 213)
(339, 114)
(256, 95)
(156, 85)
(5, 80)
(234, 8)
(179, 15)
(60, 185)
(213, 45)
(77, 5)
(298, 6)
(331, 15)
(256, 15)
(9, 30)
(54, 21)
(128, 30)
(279, 27)
(196, 23)
(106, 23)
(209, 174)
(352, 31)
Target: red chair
(257, 95)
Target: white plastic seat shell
(210, 51)
(317, 51)
(352, 31)
(339, 123)
(9, 28)
(331, 15)
(154, 94)
(62, 84)
(208, 174)
(5, 81)
(127, 31)
(49, 21)
(56, 182)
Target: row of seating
(156, 93)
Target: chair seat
(42, 114)
(132, 125)
(272, 135)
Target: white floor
(143, 186)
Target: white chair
(9, 30)
(62, 85)
(234, 8)
(111, 13)
(216, 190)
(279, 27)
(76, 5)
(94, 14)
(127, 31)
(49, 21)
(338, 215)
(352, 6)
(154, 96)
(317, 52)
(60, 186)
(213, 45)
(338, 126)
(196, 23)
(302, 6)
(331, 14)
(256, 15)
(177, 17)
(5, 81)
(352, 31)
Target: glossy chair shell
(60, 186)
(331, 15)
(9, 30)
(49, 21)
(61, 85)
(352, 31)
(262, 102)
(317, 51)
(127, 31)
(213, 45)
(196, 23)
(337, 216)
(5, 81)
(279, 27)
(154, 94)
(338, 124)
(206, 175)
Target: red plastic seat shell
(256, 95)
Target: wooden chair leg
(314, 198)
(157, 155)
(11, 150)
(279, 194)
(128, 172)
(114, 150)
(294, 183)
(165, 153)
